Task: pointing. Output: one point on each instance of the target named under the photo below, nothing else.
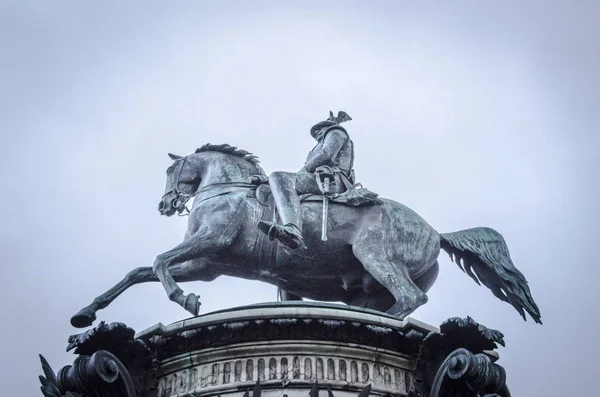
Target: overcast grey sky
(471, 113)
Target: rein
(188, 196)
(232, 184)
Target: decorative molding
(283, 310)
(437, 350)
(288, 348)
(337, 370)
(478, 372)
(98, 375)
(273, 324)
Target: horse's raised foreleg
(394, 278)
(87, 315)
(195, 246)
(181, 273)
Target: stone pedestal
(298, 349)
(287, 348)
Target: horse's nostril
(161, 205)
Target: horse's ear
(174, 156)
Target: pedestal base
(295, 349)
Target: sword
(325, 209)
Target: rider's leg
(285, 194)
(283, 188)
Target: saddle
(355, 196)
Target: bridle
(181, 198)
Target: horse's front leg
(195, 246)
(186, 271)
(87, 315)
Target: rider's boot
(287, 202)
(289, 234)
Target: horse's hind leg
(379, 300)
(426, 280)
(287, 296)
(394, 278)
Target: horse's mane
(228, 149)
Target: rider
(334, 153)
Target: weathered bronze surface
(374, 252)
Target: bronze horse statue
(381, 256)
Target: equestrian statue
(314, 234)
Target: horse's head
(182, 182)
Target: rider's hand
(324, 171)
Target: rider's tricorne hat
(331, 120)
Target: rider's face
(319, 134)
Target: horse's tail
(485, 258)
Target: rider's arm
(334, 141)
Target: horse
(382, 256)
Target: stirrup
(268, 228)
(272, 232)
(291, 236)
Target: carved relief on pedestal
(237, 368)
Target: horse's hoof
(84, 318)
(192, 303)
